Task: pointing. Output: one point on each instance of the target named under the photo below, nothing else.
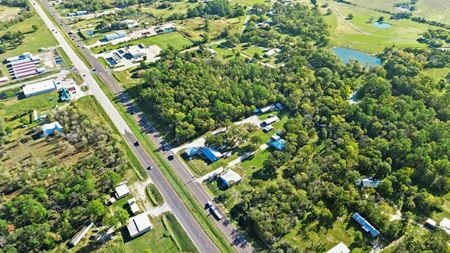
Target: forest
(396, 132)
(55, 200)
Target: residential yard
(165, 236)
(196, 29)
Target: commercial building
(50, 128)
(121, 191)
(38, 88)
(339, 248)
(138, 225)
(80, 234)
(23, 65)
(365, 225)
(229, 178)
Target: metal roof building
(339, 248)
(366, 226)
(210, 154)
(121, 191)
(51, 128)
(38, 88)
(138, 225)
(229, 178)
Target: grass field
(33, 41)
(154, 195)
(250, 2)
(176, 7)
(173, 39)
(360, 33)
(195, 28)
(7, 12)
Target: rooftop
(231, 177)
(139, 224)
(38, 87)
(121, 190)
(366, 226)
(339, 248)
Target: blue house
(64, 95)
(277, 143)
(51, 128)
(365, 225)
(210, 154)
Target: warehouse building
(38, 88)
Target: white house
(138, 225)
(270, 121)
(445, 225)
(51, 128)
(339, 248)
(121, 191)
(271, 52)
(229, 178)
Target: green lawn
(154, 195)
(173, 39)
(177, 7)
(156, 240)
(250, 2)
(360, 33)
(33, 41)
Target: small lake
(347, 54)
(382, 25)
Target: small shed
(138, 225)
(50, 128)
(134, 208)
(121, 191)
(190, 152)
(369, 183)
(339, 248)
(430, 223)
(229, 178)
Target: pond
(382, 25)
(347, 54)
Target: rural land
(227, 126)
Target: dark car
(170, 157)
(136, 143)
(149, 167)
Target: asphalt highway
(187, 220)
(192, 227)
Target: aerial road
(197, 189)
(187, 220)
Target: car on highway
(170, 157)
(215, 212)
(208, 205)
(150, 167)
(136, 143)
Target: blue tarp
(277, 144)
(366, 226)
(209, 154)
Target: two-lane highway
(187, 220)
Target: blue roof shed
(279, 144)
(366, 226)
(51, 128)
